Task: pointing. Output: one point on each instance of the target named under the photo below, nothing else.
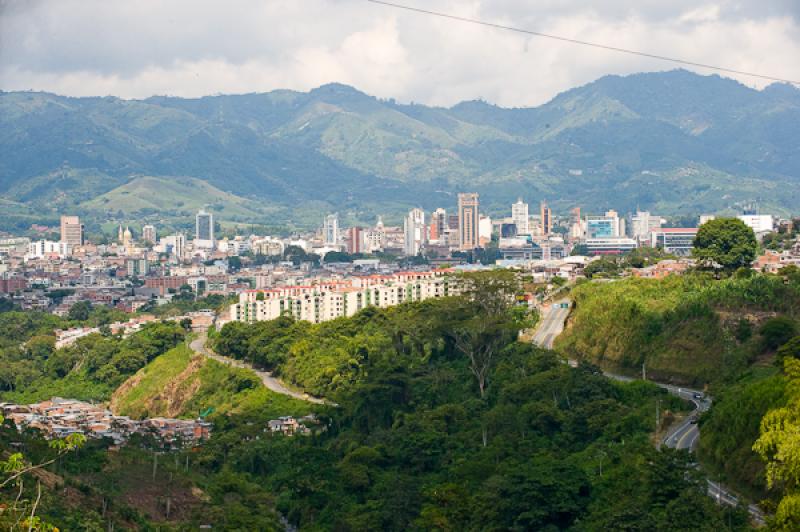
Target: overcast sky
(137, 48)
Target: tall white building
(331, 230)
(414, 232)
(174, 244)
(759, 223)
(520, 218)
(204, 230)
(642, 224)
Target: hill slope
(673, 141)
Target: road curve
(551, 323)
(198, 345)
(683, 436)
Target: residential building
(468, 221)
(414, 232)
(71, 231)
(438, 226)
(331, 230)
(545, 218)
(323, 302)
(204, 230)
(149, 234)
(520, 217)
(355, 240)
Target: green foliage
(777, 331)
(687, 327)
(89, 369)
(725, 243)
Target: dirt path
(198, 345)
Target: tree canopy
(725, 243)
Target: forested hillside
(671, 142)
(691, 329)
(444, 421)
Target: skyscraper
(438, 225)
(355, 240)
(414, 232)
(468, 221)
(149, 234)
(519, 215)
(331, 230)
(71, 230)
(204, 230)
(546, 217)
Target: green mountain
(673, 142)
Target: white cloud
(192, 48)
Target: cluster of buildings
(148, 268)
(58, 418)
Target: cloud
(193, 48)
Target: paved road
(551, 323)
(199, 346)
(684, 435)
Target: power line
(584, 43)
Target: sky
(191, 48)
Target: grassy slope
(181, 194)
(180, 383)
(681, 326)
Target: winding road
(198, 345)
(684, 436)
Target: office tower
(438, 225)
(149, 234)
(331, 230)
(71, 230)
(179, 245)
(642, 224)
(355, 240)
(519, 216)
(468, 221)
(546, 218)
(607, 226)
(414, 232)
(204, 230)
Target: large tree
(725, 243)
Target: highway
(551, 323)
(683, 436)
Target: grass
(181, 383)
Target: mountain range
(671, 142)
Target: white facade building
(520, 217)
(331, 230)
(414, 232)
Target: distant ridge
(672, 142)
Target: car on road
(693, 420)
(698, 396)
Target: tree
(80, 311)
(779, 447)
(777, 331)
(725, 243)
(790, 349)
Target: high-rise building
(331, 230)
(519, 216)
(608, 225)
(204, 230)
(71, 230)
(546, 218)
(355, 240)
(414, 232)
(468, 220)
(438, 225)
(149, 234)
(642, 224)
